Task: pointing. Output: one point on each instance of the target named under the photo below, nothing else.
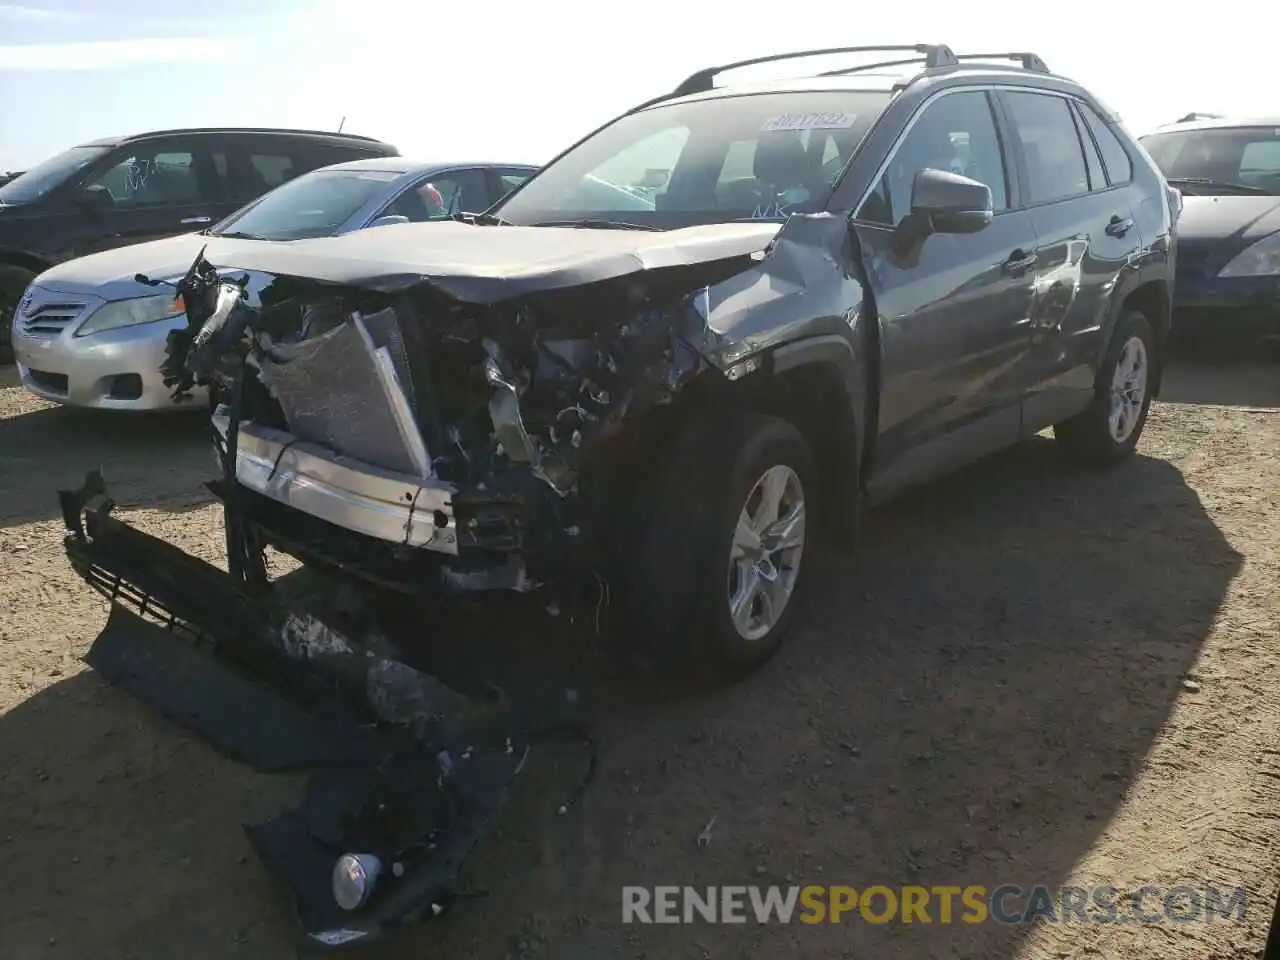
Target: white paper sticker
(383, 176)
(810, 121)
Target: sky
(521, 81)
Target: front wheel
(1109, 429)
(723, 553)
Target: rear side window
(274, 168)
(1056, 167)
(1092, 158)
(1114, 156)
(259, 163)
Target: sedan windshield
(1221, 160)
(316, 204)
(745, 157)
(46, 176)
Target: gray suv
(638, 389)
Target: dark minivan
(122, 190)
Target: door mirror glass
(946, 202)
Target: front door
(954, 320)
(1087, 236)
(155, 189)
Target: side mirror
(389, 220)
(94, 197)
(945, 202)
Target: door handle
(187, 221)
(1019, 262)
(1119, 226)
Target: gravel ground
(1029, 677)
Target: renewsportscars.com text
(1008, 904)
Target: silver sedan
(88, 333)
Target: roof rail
(285, 130)
(1029, 61)
(932, 54)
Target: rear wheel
(722, 554)
(1109, 429)
(13, 283)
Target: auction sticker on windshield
(810, 121)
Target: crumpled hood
(486, 264)
(110, 274)
(1234, 221)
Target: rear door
(1087, 236)
(953, 320)
(158, 188)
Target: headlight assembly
(131, 313)
(1259, 259)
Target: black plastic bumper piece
(241, 719)
(197, 646)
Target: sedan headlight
(130, 313)
(1260, 259)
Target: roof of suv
(328, 135)
(916, 64)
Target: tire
(1104, 434)
(13, 283)
(680, 576)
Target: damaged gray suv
(709, 332)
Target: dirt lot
(1031, 677)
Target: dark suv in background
(122, 190)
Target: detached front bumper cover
(221, 660)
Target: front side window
(49, 174)
(956, 133)
(441, 195)
(753, 156)
(1056, 167)
(148, 176)
(314, 205)
(1248, 157)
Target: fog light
(353, 878)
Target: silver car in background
(88, 333)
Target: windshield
(757, 156)
(52, 173)
(316, 204)
(1249, 156)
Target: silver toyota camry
(89, 333)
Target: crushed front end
(404, 441)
